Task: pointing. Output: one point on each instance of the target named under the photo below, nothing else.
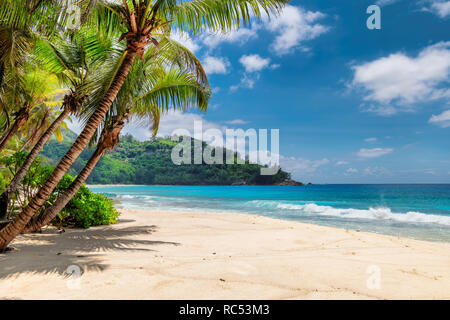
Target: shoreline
(200, 255)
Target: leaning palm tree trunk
(12, 187)
(8, 233)
(108, 139)
(21, 117)
(2, 72)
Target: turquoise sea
(414, 211)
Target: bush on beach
(85, 209)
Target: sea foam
(381, 213)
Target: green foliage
(84, 210)
(2, 183)
(150, 163)
(34, 178)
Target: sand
(181, 255)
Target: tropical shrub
(85, 209)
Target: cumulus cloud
(240, 36)
(442, 119)
(341, 163)
(294, 26)
(216, 65)
(247, 82)
(370, 140)
(440, 7)
(254, 62)
(398, 81)
(374, 153)
(184, 38)
(253, 65)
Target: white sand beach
(185, 255)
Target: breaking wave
(351, 213)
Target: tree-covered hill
(149, 163)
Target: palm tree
(177, 88)
(78, 62)
(143, 22)
(39, 92)
(21, 23)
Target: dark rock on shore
(289, 182)
(239, 183)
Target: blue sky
(353, 105)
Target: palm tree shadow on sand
(74, 247)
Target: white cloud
(386, 2)
(300, 166)
(374, 153)
(294, 26)
(275, 66)
(254, 62)
(291, 27)
(171, 121)
(440, 7)
(236, 121)
(234, 88)
(376, 171)
(241, 36)
(184, 38)
(370, 140)
(351, 171)
(247, 82)
(442, 119)
(216, 65)
(341, 163)
(398, 81)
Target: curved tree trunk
(8, 233)
(12, 187)
(108, 139)
(2, 72)
(36, 135)
(21, 117)
(8, 135)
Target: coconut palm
(22, 22)
(149, 91)
(40, 94)
(78, 61)
(38, 89)
(143, 22)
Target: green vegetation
(90, 71)
(149, 162)
(84, 210)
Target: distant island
(149, 163)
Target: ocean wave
(138, 198)
(125, 197)
(351, 213)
